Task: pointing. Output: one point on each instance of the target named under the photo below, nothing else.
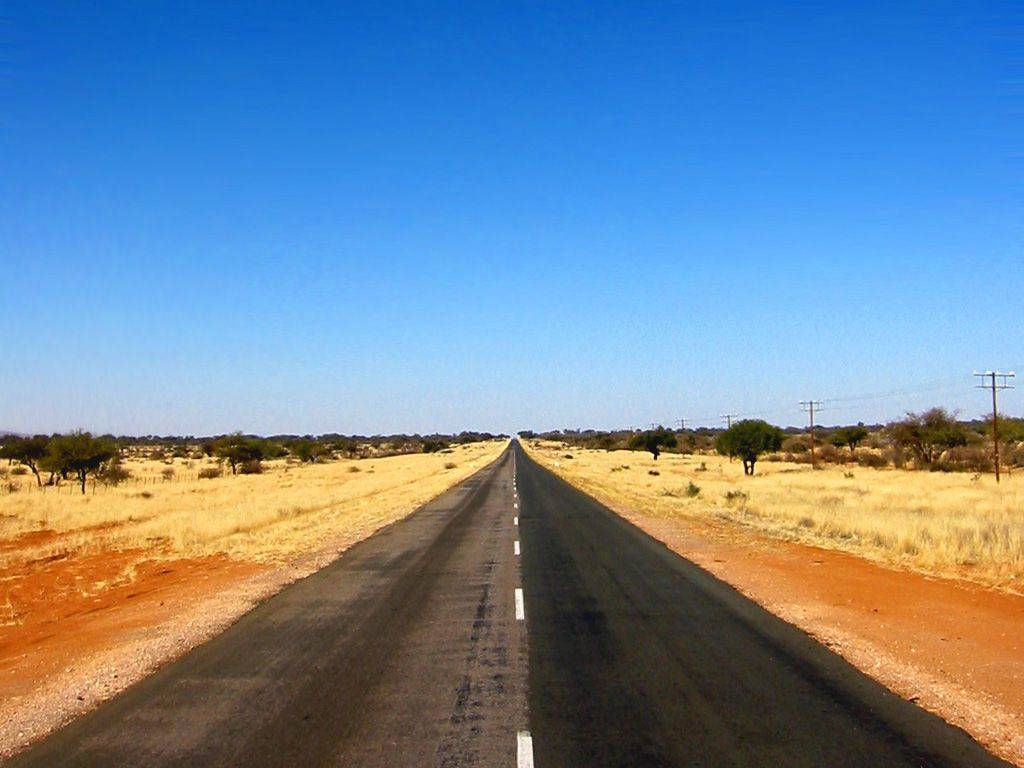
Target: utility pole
(682, 424)
(653, 426)
(988, 379)
(808, 406)
(728, 423)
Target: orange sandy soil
(953, 647)
(60, 609)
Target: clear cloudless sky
(378, 217)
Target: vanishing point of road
(513, 621)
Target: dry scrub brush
(270, 516)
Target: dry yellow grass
(269, 517)
(946, 524)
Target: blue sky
(420, 216)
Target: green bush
(748, 439)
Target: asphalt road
(414, 649)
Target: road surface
(512, 619)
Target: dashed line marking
(520, 607)
(515, 520)
(524, 750)
(515, 549)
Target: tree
(653, 440)
(1010, 430)
(307, 450)
(850, 436)
(927, 434)
(238, 449)
(26, 450)
(78, 453)
(748, 439)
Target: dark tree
(927, 434)
(78, 453)
(849, 436)
(238, 449)
(307, 450)
(653, 440)
(26, 450)
(748, 439)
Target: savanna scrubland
(947, 524)
(167, 546)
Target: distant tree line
(80, 455)
(933, 439)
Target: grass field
(268, 517)
(949, 524)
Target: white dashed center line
(524, 750)
(520, 607)
(516, 548)
(515, 521)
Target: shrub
(653, 472)
(114, 473)
(567, 456)
(167, 473)
(738, 497)
(828, 453)
(251, 467)
(965, 459)
(208, 473)
(692, 490)
(354, 468)
(450, 465)
(19, 471)
(799, 444)
(653, 440)
(871, 459)
(433, 446)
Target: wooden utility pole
(988, 379)
(728, 419)
(808, 406)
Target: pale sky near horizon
(416, 217)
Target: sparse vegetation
(951, 524)
(263, 516)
